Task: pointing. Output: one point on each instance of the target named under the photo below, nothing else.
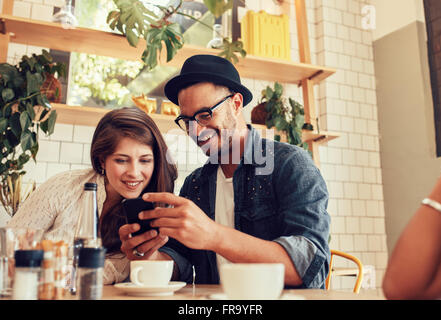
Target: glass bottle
(27, 274)
(66, 16)
(217, 40)
(87, 232)
(90, 273)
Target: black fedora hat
(206, 68)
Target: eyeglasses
(202, 117)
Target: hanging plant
(135, 20)
(25, 108)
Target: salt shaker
(90, 273)
(27, 274)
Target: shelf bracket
(315, 74)
(320, 138)
(2, 26)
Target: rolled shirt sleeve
(303, 199)
(306, 259)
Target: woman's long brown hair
(135, 124)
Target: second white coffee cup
(151, 272)
(254, 281)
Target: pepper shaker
(90, 273)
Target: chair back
(349, 257)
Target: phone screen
(131, 208)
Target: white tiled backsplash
(346, 103)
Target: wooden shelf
(319, 137)
(307, 136)
(90, 116)
(102, 43)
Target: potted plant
(24, 109)
(135, 20)
(286, 115)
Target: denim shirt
(279, 195)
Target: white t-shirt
(224, 213)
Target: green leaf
(278, 122)
(34, 148)
(25, 120)
(13, 141)
(3, 168)
(296, 136)
(34, 82)
(8, 72)
(49, 125)
(23, 159)
(112, 18)
(169, 34)
(269, 93)
(31, 62)
(132, 37)
(46, 102)
(278, 89)
(269, 121)
(30, 110)
(46, 56)
(218, 7)
(14, 123)
(3, 124)
(133, 18)
(269, 106)
(17, 81)
(231, 49)
(26, 140)
(7, 94)
(299, 120)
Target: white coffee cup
(151, 272)
(252, 281)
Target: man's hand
(185, 221)
(148, 243)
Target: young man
(255, 200)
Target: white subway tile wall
(346, 103)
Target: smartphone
(131, 208)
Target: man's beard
(225, 152)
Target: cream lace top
(53, 208)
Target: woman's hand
(147, 243)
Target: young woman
(128, 155)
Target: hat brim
(177, 83)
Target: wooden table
(204, 292)
(208, 292)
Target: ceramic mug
(252, 281)
(148, 273)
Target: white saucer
(135, 290)
(286, 296)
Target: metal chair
(359, 274)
